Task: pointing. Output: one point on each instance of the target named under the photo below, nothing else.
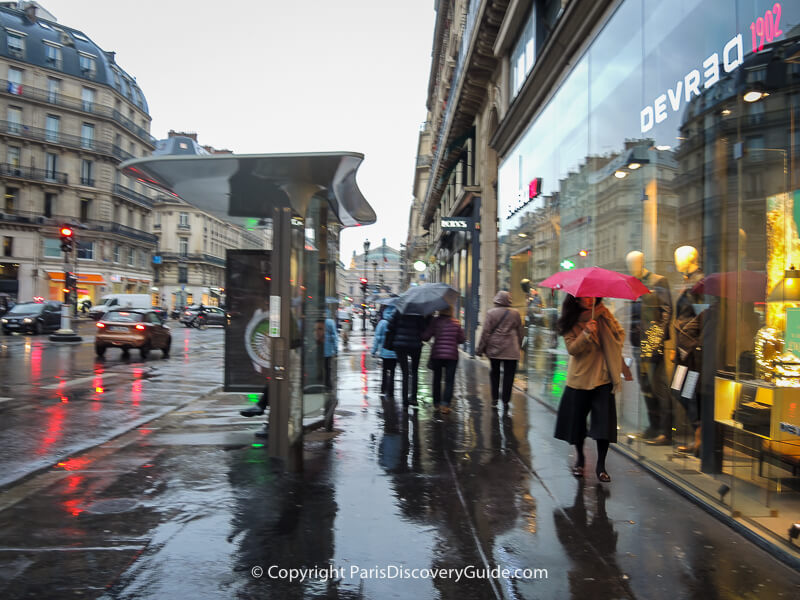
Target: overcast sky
(264, 76)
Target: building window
(49, 203)
(14, 81)
(157, 219)
(142, 259)
(87, 65)
(183, 275)
(183, 220)
(86, 208)
(52, 56)
(116, 253)
(130, 256)
(14, 119)
(87, 135)
(184, 246)
(53, 90)
(52, 125)
(12, 156)
(50, 166)
(16, 44)
(87, 172)
(130, 217)
(8, 246)
(11, 200)
(85, 250)
(115, 214)
(87, 99)
(524, 53)
(52, 248)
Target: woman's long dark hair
(571, 311)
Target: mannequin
(650, 320)
(689, 335)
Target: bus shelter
(278, 298)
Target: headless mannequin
(650, 320)
(688, 335)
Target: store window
(666, 153)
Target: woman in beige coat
(594, 341)
(500, 341)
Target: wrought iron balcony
(126, 192)
(32, 174)
(123, 230)
(58, 99)
(194, 258)
(62, 139)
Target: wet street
(131, 479)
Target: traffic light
(583, 253)
(71, 281)
(67, 238)
(364, 283)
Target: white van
(122, 300)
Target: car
(213, 316)
(32, 317)
(6, 303)
(128, 328)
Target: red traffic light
(584, 253)
(363, 280)
(66, 232)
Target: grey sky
(261, 76)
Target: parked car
(132, 328)
(161, 312)
(32, 317)
(211, 314)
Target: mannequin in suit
(689, 335)
(650, 322)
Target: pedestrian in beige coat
(500, 341)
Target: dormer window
(16, 43)
(88, 65)
(52, 55)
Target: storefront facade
(669, 150)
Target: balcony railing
(58, 99)
(124, 230)
(178, 257)
(126, 192)
(33, 174)
(56, 137)
(87, 181)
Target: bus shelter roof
(242, 187)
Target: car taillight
(101, 325)
(140, 326)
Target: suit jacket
(651, 316)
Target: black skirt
(576, 405)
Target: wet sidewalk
(392, 504)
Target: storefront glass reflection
(652, 162)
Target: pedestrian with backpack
(388, 357)
(500, 341)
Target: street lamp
(364, 303)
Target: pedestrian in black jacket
(404, 336)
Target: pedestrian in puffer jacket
(388, 357)
(404, 335)
(447, 334)
(500, 341)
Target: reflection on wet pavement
(191, 506)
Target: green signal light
(252, 397)
(567, 264)
(257, 445)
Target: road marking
(71, 382)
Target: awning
(242, 188)
(87, 278)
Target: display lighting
(620, 174)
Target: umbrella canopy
(388, 301)
(594, 282)
(426, 299)
(723, 285)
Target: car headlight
(27, 320)
(5, 320)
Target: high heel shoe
(577, 470)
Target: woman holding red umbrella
(594, 340)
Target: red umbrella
(723, 285)
(594, 282)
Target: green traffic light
(567, 264)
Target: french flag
(14, 88)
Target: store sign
(456, 223)
(523, 199)
(689, 86)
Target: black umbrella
(426, 299)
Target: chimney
(30, 11)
